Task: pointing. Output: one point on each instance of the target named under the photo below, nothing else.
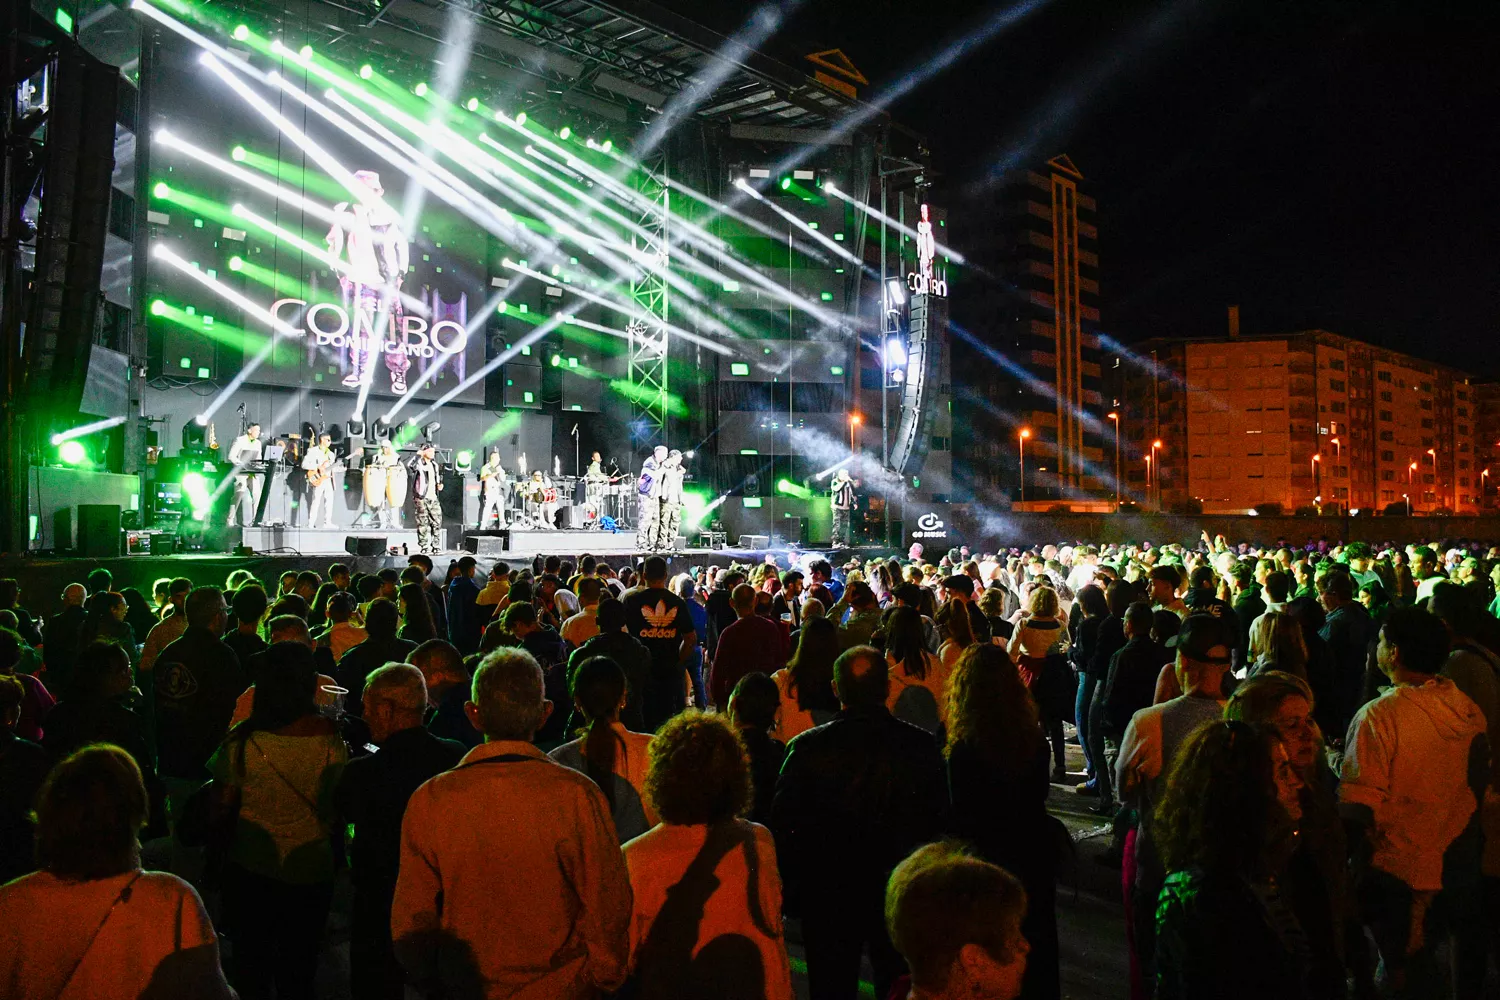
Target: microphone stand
(577, 452)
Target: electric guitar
(317, 477)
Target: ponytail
(597, 685)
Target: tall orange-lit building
(1298, 419)
(1025, 347)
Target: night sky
(1320, 164)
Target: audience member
(661, 621)
(609, 753)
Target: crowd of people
(568, 779)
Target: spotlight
(236, 263)
(421, 90)
(241, 32)
(521, 118)
(305, 52)
(565, 133)
(366, 71)
(830, 187)
(557, 361)
(428, 430)
(473, 104)
(237, 154)
(158, 308)
(895, 293)
(355, 428)
(161, 190)
(72, 453)
(895, 353)
(608, 145)
(463, 461)
(786, 184)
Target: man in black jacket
(372, 794)
(198, 680)
(381, 647)
(626, 650)
(876, 788)
(1129, 686)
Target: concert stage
(516, 543)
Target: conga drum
(395, 486)
(374, 485)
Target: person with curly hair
(1225, 828)
(706, 920)
(998, 781)
(957, 921)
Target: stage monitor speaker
(572, 517)
(98, 530)
(489, 543)
(163, 544)
(365, 545)
(755, 541)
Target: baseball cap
(1200, 634)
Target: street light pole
(1021, 437)
(854, 422)
(1156, 470)
(1116, 418)
(1317, 486)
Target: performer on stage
(673, 473)
(247, 484)
(648, 496)
(595, 482)
(543, 510)
(377, 255)
(842, 502)
(426, 485)
(390, 496)
(492, 483)
(318, 464)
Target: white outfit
(388, 515)
(322, 494)
(492, 482)
(247, 485)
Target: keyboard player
(249, 475)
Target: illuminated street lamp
(1021, 436)
(1337, 450)
(1116, 418)
(854, 421)
(1153, 470)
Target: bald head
(861, 679)
(73, 593)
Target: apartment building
(1307, 419)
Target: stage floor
(520, 542)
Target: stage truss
(648, 330)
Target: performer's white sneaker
(398, 383)
(352, 380)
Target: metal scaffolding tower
(648, 330)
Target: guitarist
(318, 464)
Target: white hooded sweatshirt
(1408, 760)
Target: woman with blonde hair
(1038, 647)
(1277, 643)
(997, 778)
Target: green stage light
(235, 263)
(199, 497)
(72, 453)
(158, 308)
(565, 134)
(463, 461)
(241, 32)
(557, 361)
(792, 489)
(521, 118)
(607, 145)
(64, 20)
(366, 71)
(420, 90)
(750, 501)
(473, 104)
(237, 154)
(305, 52)
(161, 190)
(786, 184)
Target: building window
(1427, 477)
(1462, 411)
(1463, 463)
(1337, 364)
(1463, 428)
(1386, 475)
(1463, 480)
(1336, 384)
(1385, 414)
(1462, 395)
(1385, 396)
(1387, 436)
(1427, 423)
(1337, 406)
(1426, 386)
(1425, 404)
(1383, 375)
(1387, 456)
